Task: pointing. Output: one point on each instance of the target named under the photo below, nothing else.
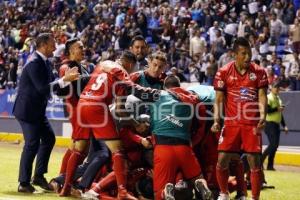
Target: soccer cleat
(202, 188)
(223, 197)
(168, 192)
(182, 191)
(241, 198)
(90, 195)
(180, 185)
(124, 195)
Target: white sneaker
(90, 195)
(169, 192)
(223, 197)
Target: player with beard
(139, 48)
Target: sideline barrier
(282, 157)
(9, 127)
(54, 108)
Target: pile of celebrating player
(141, 136)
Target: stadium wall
(10, 129)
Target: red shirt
(103, 84)
(241, 93)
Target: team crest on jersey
(220, 84)
(252, 76)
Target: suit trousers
(39, 141)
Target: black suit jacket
(34, 88)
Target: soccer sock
(105, 183)
(64, 162)
(75, 159)
(239, 173)
(222, 177)
(255, 178)
(120, 169)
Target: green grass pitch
(287, 183)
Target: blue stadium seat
(282, 40)
(152, 45)
(279, 49)
(149, 40)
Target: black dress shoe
(271, 169)
(26, 189)
(41, 181)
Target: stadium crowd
(190, 39)
(197, 35)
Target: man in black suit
(35, 88)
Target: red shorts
(96, 118)
(168, 161)
(78, 132)
(237, 138)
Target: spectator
(197, 44)
(174, 71)
(212, 32)
(295, 33)
(293, 72)
(161, 24)
(242, 24)
(276, 27)
(218, 46)
(227, 57)
(230, 30)
(263, 40)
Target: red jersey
(103, 84)
(241, 93)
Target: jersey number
(99, 81)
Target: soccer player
(241, 88)
(171, 117)
(206, 146)
(74, 52)
(106, 83)
(153, 75)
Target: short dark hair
(171, 81)
(240, 41)
(128, 56)
(42, 39)
(137, 38)
(68, 45)
(276, 84)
